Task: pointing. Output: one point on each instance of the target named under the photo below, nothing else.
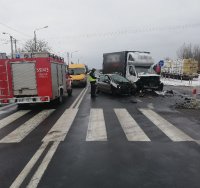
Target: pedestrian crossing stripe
(11, 118)
(21, 132)
(59, 131)
(170, 130)
(96, 126)
(131, 129)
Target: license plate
(25, 100)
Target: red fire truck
(32, 78)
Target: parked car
(114, 84)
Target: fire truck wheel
(69, 92)
(60, 98)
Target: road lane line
(12, 118)
(43, 166)
(170, 130)
(138, 100)
(20, 178)
(2, 112)
(7, 106)
(70, 113)
(20, 133)
(131, 129)
(79, 102)
(96, 127)
(79, 96)
(59, 131)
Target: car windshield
(74, 71)
(142, 70)
(117, 78)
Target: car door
(100, 83)
(107, 85)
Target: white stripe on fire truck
(96, 126)
(166, 127)
(20, 133)
(12, 118)
(131, 129)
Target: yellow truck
(78, 73)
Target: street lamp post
(11, 42)
(72, 53)
(35, 39)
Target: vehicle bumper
(25, 100)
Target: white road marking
(78, 104)
(7, 106)
(131, 129)
(170, 130)
(2, 112)
(12, 118)
(20, 178)
(41, 169)
(96, 127)
(79, 96)
(20, 133)
(150, 106)
(138, 100)
(59, 131)
(63, 124)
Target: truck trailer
(184, 69)
(135, 66)
(32, 78)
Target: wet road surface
(102, 142)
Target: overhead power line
(131, 31)
(15, 30)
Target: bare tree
(41, 46)
(185, 51)
(196, 53)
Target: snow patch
(176, 82)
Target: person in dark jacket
(92, 79)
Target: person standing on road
(92, 79)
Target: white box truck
(135, 66)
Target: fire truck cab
(32, 78)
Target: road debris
(188, 103)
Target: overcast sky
(94, 27)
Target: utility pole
(11, 41)
(68, 58)
(35, 41)
(15, 41)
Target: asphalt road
(102, 142)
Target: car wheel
(69, 92)
(161, 87)
(113, 91)
(60, 98)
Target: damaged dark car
(114, 84)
